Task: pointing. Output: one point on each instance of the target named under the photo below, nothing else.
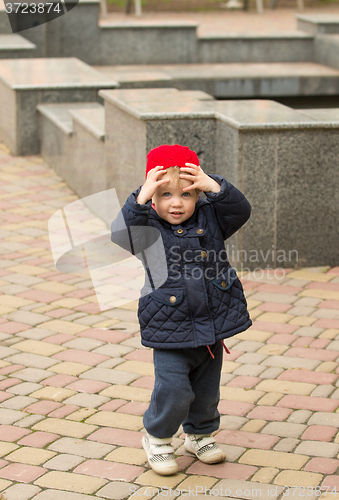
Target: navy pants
(186, 391)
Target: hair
(173, 174)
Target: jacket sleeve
(128, 228)
(231, 207)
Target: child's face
(172, 203)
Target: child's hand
(200, 180)
(152, 183)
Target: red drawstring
(211, 353)
(225, 347)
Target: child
(200, 304)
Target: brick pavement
(73, 394)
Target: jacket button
(179, 231)
(204, 254)
(173, 299)
(200, 231)
(223, 284)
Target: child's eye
(166, 194)
(186, 194)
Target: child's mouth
(176, 214)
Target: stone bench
(25, 83)
(15, 46)
(232, 80)
(263, 147)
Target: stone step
(91, 119)
(72, 142)
(15, 46)
(232, 80)
(90, 114)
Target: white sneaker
(204, 447)
(160, 455)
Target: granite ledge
(258, 36)
(319, 18)
(15, 42)
(241, 115)
(148, 25)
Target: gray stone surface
(326, 50)
(80, 447)
(318, 23)
(255, 48)
(148, 43)
(13, 46)
(26, 83)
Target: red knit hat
(170, 156)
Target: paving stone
(249, 370)
(29, 318)
(38, 439)
(324, 391)
(308, 331)
(32, 360)
(308, 377)
(298, 478)
(111, 419)
(308, 403)
(21, 491)
(18, 403)
(77, 483)
(117, 437)
(65, 427)
(36, 333)
(265, 475)
(86, 400)
(69, 368)
(83, 448)
(111, 376)
(128, 392)
(29, 421)
(84, 344)
(81, 414)
(254, 425)
(30, 456)
(273, 349)
(21, 473)
(271, 373)
(290, 362)
(322, 465)
(43, 407)
(246, 439)
(114, 350)
(286, 445)
(126, 455)
(231, 422)
(133, 408)
(116, 490)
(24, 388)
(60, 380)
(57, 394)
(66, 495)
(109, 470)
(278, 459)
(318, 449)
(63, 462)
(286, 387)
(299, 416)
(33, 374)
(270, 399)
(151, 479)
(319, 433)
(269, 413)
(248, 490)
(10, 416)
(284, 429)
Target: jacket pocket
(164, 316)
(226, 279)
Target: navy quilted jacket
(201, 299)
